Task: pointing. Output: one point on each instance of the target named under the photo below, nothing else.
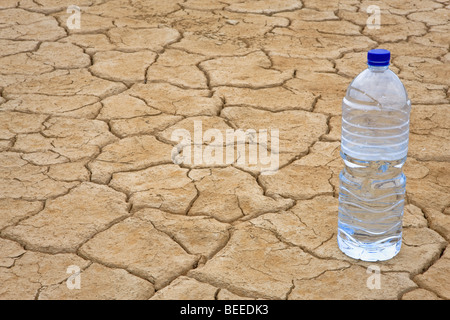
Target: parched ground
(87, 178)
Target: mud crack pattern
(87, 179)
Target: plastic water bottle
(374, 144)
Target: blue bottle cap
(378, 57)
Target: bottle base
(369, 252)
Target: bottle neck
(378, 68)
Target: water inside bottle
(372, 186)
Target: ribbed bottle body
(374, 145)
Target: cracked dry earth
(86, 176)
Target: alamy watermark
(208, 148)
(74, 281)
(374, 280)
(73, 22)
(374, 20)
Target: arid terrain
(93, 205)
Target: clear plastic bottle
(374, 145)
